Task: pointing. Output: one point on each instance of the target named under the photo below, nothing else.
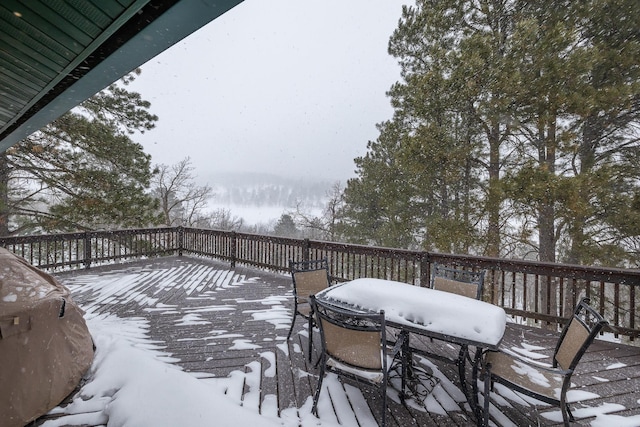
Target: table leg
(415, 379)
(407, 360)
(482, 414)
(463, 354)
(487, 390)
(472, 398)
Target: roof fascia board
(108, 32)
(181, 20)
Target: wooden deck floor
(215, 321)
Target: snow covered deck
(227, 328)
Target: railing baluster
(616, 305)
(632, 309)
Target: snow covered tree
(515, 131)
(578, 107)
(83, 171)
(286, 227)
(378, 208)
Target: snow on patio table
(436, 311)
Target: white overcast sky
(287, 87)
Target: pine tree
(82, 171)
(514, 132)
(448, 129)
(285, 227)
(578, 114)
(378, 207)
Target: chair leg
(569, 412)
(316, 397)
(383, 396)
(567, 416)
(293, 321)
(310, 334)
(487, 392)
(406, 360)
(461, 363)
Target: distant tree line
(268, 193)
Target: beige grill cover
(45, 346)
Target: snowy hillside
(261, 198)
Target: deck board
(217, 321)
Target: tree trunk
(546, 214)
(494, 196)
(591, 133)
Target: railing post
(306, 250)
(87, 250)
(425, 269)
(234, 240)
(180, 240)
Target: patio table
(435, 314)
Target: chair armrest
(397, 347)
(533, 363)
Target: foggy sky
(287, 87)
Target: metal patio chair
(548, 384)
(309, 277)
(460, 282)
(354, 346)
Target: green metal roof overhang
(55, 54)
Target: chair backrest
(577, 335)
(355, 339)
(309, 277)
(461, 282)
